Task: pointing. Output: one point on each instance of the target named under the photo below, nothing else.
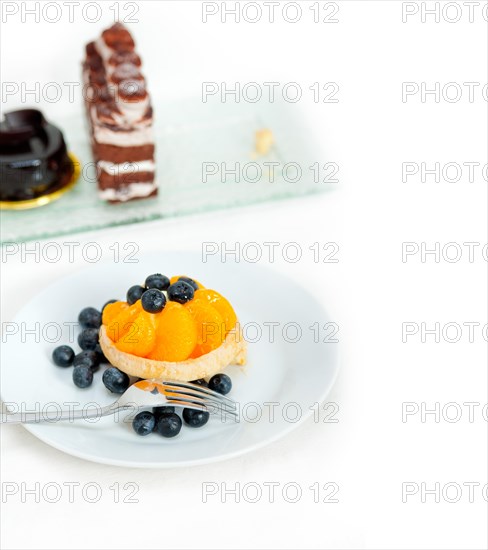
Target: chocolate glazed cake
(120, 117)
(35, 166)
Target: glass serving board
(192, 138)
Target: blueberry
(63, 356)
(163, 409)
(181, 292)
(158, 281)
(169, 425)
(101, 356)
(82, 376)
(144, 423)
(191, 282)
(195, 419)
(134, 293)
(115, 380)
(87, 358)
(88, 338)
(158, 411)
(90, 318)
(109, 302)
(221, 383)
(200, 382)
(153, 301)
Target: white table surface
(370, 452)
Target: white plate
(284, 376)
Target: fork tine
(188, 405)
(202, 405)
(208, 401)
(196, 393)
(200, 389)
(188, 397)
(193, 405)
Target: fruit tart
(172, 328)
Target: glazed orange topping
(219, 303)
(175, 334)
(210, 326)
(122, 323)
(141, 336)
(111, 311)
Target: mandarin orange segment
(176, 277)
(122, 322)
(221, 304)
(110, 311)
(176, 334)
(210, 326)
(140, 338)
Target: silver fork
(142, 394)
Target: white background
(370, 453)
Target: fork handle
(56, 416)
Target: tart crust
(233, 351)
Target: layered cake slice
(120, 117)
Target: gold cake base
(50, 197)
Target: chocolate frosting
(33, 156)
(118, 38)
